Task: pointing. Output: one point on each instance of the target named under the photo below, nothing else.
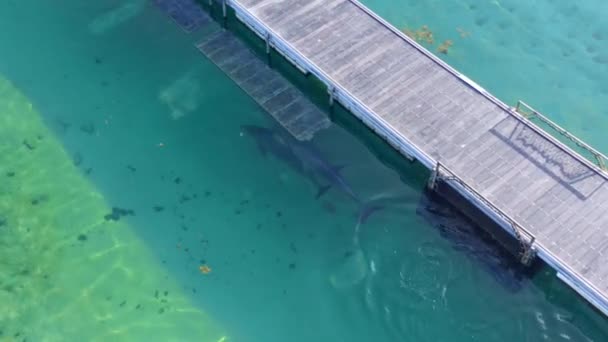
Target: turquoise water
(122, 111)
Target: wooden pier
(551, 199)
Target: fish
(279, 145)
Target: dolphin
(279, 145)
(305, 158)
(314, 161)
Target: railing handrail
(508, 219)
(597, 154)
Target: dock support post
(330, 91)
(268, 50)
(224, 13)
(432, 183)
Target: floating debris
(204, 269)
(463, 33)
(443, 48)
(421, 35)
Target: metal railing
(582, 148)
(525, 238)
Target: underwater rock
(39, 199)
(351, 271)
(77, 159)
(63, 126)
(117, 213)
(28, 145)
(88, 128)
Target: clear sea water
(108, 104)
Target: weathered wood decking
(268, 88)
(511, 169)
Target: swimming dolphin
(314, 161)
(305, 158)
(279, 145)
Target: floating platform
(283, 101)
(268, 88)
(187, 14)
(548, 197)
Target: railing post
(600, 162)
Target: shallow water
(108, 104)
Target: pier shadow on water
(467, 237)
